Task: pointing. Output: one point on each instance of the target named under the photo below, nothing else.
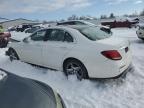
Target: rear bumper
(123, 74)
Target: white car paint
(52, 54)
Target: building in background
(9, 23)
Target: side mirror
(26, 40)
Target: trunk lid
(116, 42)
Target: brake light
(112, 54)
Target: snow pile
(119, 93)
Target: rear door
(58, 44)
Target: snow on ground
(119, 93)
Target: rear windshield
(94, 33)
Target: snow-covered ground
(119, 93)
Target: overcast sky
(58, 9)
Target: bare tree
(111, 15)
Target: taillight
(112, 54)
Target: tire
(3, 43)
(73, 66)
(13, 55)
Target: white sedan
(140, 32)
(88, 52)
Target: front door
(58, 44)
(31, 51)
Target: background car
(86, 51)
(75, 22)
(82, 22)
(4, 39)
(32, 30)
(10, 29)
(124, 22)
(140, 32)
(21, 28)
(18, 92)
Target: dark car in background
(18, 92)
(21, 28)
(115, 24)
(4, 39)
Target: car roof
(85, 22)
(74, 26)
(68, 27)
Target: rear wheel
(13, 55)
(75, 67)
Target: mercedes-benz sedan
(87, 51)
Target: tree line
(88, 17)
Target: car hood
(18, 92)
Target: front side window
(56, 35)
(39, 35)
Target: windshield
(94, 33)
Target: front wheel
(13, 55)
(3, 43)
(75, 67)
